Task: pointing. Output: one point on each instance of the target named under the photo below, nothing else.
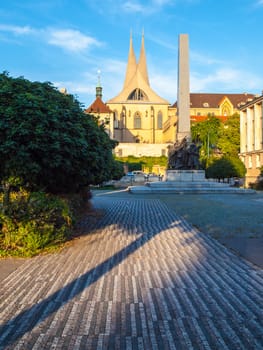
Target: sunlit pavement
(140, 279)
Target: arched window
(137, 121)
(115, 120)
(138, 95)
(226, 111)
(226, 107)
(159, 120)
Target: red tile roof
(199, 100)
(202, 118)
(98, 106)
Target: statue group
(184, 155)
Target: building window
(115, 120)
(138, 95)
(250, 162)
(258, 165)
(225, 111)
(137, 121)
(159, 120)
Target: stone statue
(193, 156)
(183, 155)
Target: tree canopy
(47, 141)
(229, 141)
(220, 146)
(226, 167)
(207, 133)
(217, 136)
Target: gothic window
(159, 120)
(138, 95)
(226, 111)
(115, 120)
(226, 108)
(137, 121)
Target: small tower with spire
(98, 87)
(99, 109)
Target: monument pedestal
(187, 182)
(185, 175)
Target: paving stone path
(142, 278)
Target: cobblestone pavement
(142, 278)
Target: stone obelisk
(183, 92)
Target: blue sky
(67, 42)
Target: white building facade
(251, 137)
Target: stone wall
(141, 149)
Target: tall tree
(47, 141)
(229, 141)
(207, 133)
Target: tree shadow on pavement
(139, 222)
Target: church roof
(213, 100)
(98, 106)
(131, 65)
(136, 87)
(142, 66)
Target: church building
(144, 123)
(139, 113)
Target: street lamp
(208, 146)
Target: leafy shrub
(138, 163)
(47, 141)
(33, 222)
(225, 167)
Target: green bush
(138, 163)
(47, 141)
(33, 222)
(225, 167)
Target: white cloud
(225, 79)
(68, 39)
(17, 30)
(204, 59)
(162, 2)
(140, 7)
(71, 40)
(74, 87)
(130, 6)
(165, 85)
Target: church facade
(139, 113)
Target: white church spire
(131, 65)
(142, 65)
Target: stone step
(186, 184)
(188, 190)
